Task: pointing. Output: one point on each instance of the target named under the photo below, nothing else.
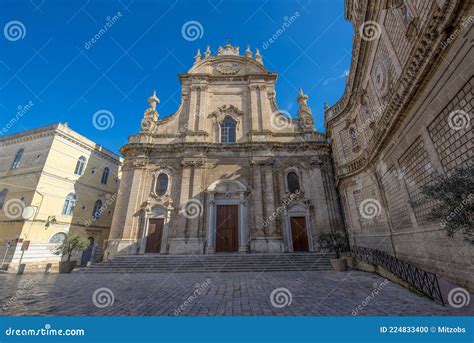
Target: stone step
(156, 263)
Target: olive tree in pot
(71, 244)
(335, 242)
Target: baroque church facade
(228, 172)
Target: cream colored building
(228, 172)
(404, 117)
(52, 180)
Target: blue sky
(50, 62)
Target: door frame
(235, 194)
(156, 212)
(161, 238)
(298, 210)
(236, 229)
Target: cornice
(145, 149)
(420, 66)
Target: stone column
(269, 196)
(264, 108)
(203, 109)
(194, 89)
(183, 200)
(321, 202)
(257, 230)
(166, 230)
(196, 196)
(211, 235)
(243, 225)
(254, 108)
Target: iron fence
(423, 281)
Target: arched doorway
(227, 228)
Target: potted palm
(71, 244)
(335, 242)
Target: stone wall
(405, 87)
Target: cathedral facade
(228, 172)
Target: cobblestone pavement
(208, 294)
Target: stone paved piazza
(220, 294)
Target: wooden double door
(227, 228)
(299, 234)
(155, 234)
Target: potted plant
(71, 244)
(335, 242)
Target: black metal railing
(423, 281)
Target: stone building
(228, 172)
(404, 117)
(53, 181)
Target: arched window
(57, 238)
(69, 204)
(161, 186)
(228, 131)
(97, 211)
(17, 160)
(105, 175)
(3, 196)
(81, 162)
(293, 182)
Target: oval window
(161, 184)
(293, 182)
(57, 238)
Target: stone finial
(302, 99)
(197, 58)
(304, 112)
(248, 53)
(153, 100)
(258, 57)
(326, 106)
(207, 54)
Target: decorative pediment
(228, 68)
(226, 111)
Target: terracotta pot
(350, 262)
(339, 264)
(66, 266)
